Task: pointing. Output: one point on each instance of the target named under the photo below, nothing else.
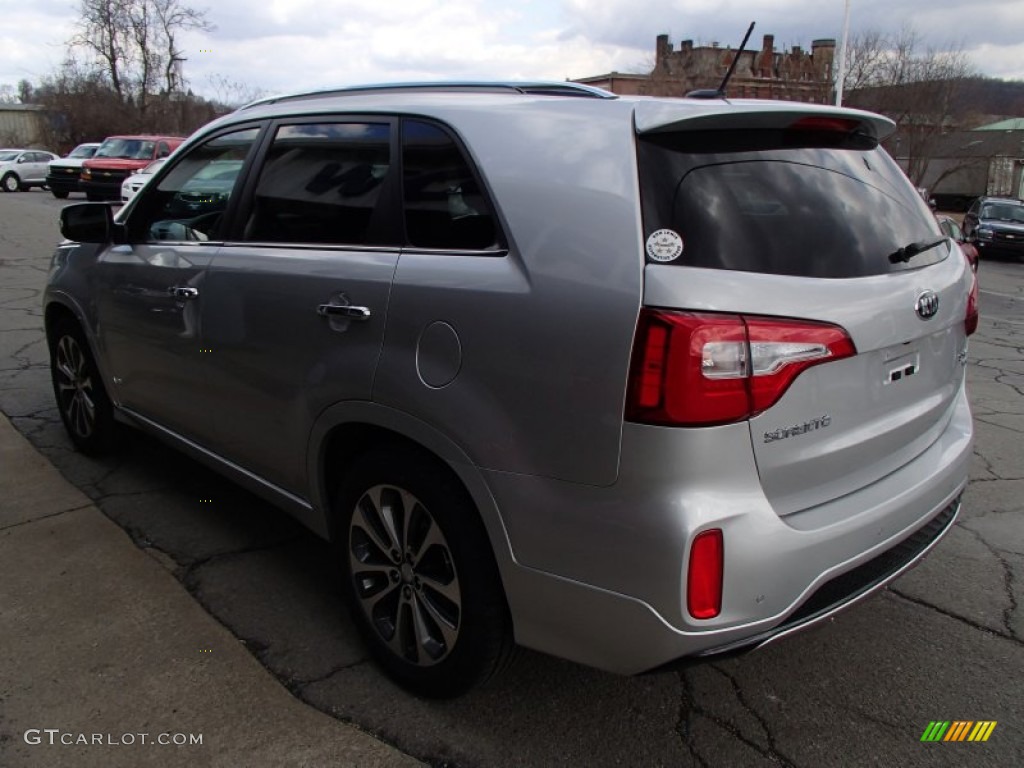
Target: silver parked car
(623, 380)
(22, 169)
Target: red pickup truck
(118, 158)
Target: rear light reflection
(692, 369)
(971, 319)
(704, 575)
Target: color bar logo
(958, 730)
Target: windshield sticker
(664, 245)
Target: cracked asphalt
(945, 642)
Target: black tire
(11, 183)
(464, 633)
(60, 194)
(82, 400)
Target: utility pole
(842, 56)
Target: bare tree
(918, 87)
(102, 31)
(136, 43)
(230, 93)
(174, 18)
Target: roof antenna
(719, 93)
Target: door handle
(183, 293)
(343, 310)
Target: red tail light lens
(704, 575)
(692, 369)
(822, 123)
(971, 320)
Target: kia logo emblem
(927, 305)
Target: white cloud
(283, 45)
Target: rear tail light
(825, 123)
(971, 319)
(692, 369)
(704, 575)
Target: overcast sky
(286, 45)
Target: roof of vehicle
(1001, 200)
(651, 114)
(147, 136)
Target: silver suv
(623, 380)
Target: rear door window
(324, 183)
(444, 204)
(756, 204)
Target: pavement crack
(189, 578)
(772, 752)
(1008, 579)
(44, 517)
(684, 722)
(297, 685)
(948, 614)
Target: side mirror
(88, 223)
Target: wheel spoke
(449, 590)
(392, 513)
(432, 537)
(400, 640)
(427, 629)
(372, 523)
(449, 631)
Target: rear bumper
(850, 587)
(605, 586)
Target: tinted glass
(126, 149)
(82, 151)
(813, 211)
(190, 200)
(1003, 212)
(323, 183)
(444, 205)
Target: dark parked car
(995, 225)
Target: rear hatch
(794, 227)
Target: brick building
(796, 75)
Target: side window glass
(189, 202)
(162, 150)
(444, 206)
(324, 183)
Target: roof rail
(535, 88)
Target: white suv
(22, 169)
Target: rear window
(754, 203)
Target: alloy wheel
(75, 390)
(404, 575)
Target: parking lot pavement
(945, 642)
(109, 662)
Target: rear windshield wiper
(907, 252)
